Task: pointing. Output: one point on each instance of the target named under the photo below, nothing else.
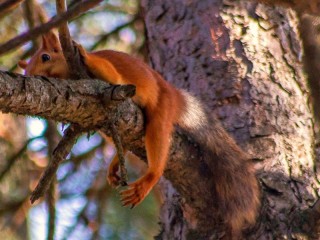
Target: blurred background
(80, 204)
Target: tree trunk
(243, 60)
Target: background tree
(245, 61)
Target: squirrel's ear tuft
(23, 64)
(50, 42)
(45, 42)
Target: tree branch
(83, 102)
(51, 135)
(29, 15)
(64, 34)
(60, 153)
(118, 144)
(7, 6)
(21, 95)
(105, 36)
(77, 71)
(54, 22)
(89, 104)
(40, 14)
(13, 159)
(72, 56)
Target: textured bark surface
(244, 61)
(310, 6)
(90, 103)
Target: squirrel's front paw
(138, 190)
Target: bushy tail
(235, 185)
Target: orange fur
(235, 185)
(160, 101)
(56, 67)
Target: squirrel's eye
(45, 57)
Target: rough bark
(7, 6)
(87, 103)
(61, 100)
(244, 61)
(310, 6)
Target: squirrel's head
(48, 61)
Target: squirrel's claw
(131, 196)
(137, 191)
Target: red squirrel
(235, 183)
